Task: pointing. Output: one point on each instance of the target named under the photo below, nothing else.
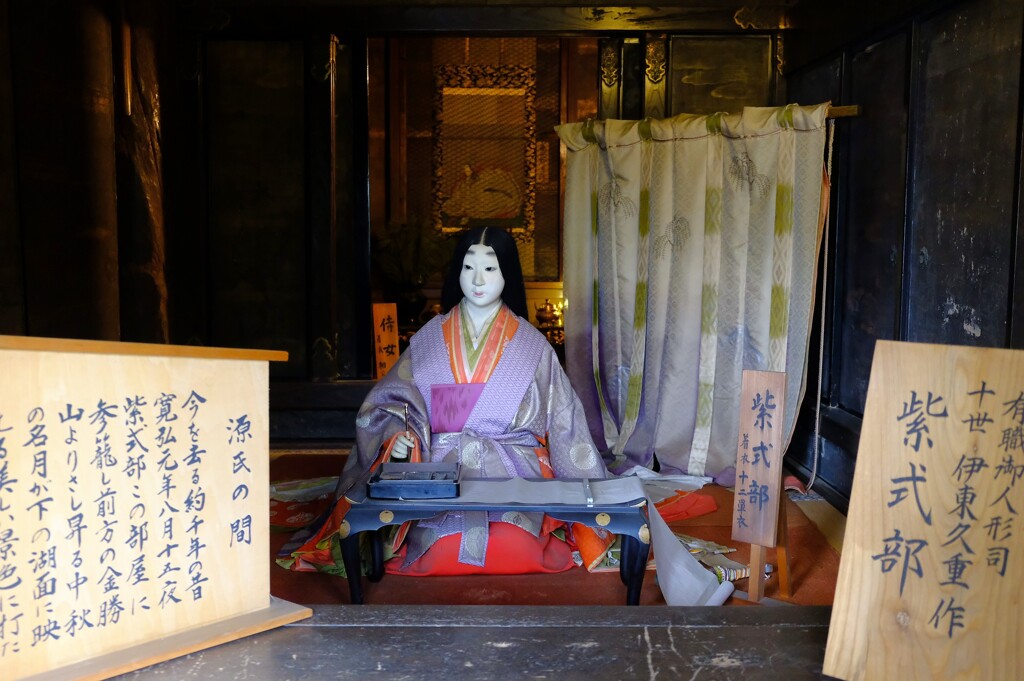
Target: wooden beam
(255, 18)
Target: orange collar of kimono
(504, 327)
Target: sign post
(385, 337)
(134, 523)
(929, 579)
(758, 516)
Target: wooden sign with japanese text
(133, 501)
(759, 455)
(929, 582)
(385, 337)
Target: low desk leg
(376, 556)
(353, 567)
(634, 564)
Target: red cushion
(510, 551)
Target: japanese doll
(478, 385)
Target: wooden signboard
(929, 579)
(385, 337)
(759, 458)
(759, 452)
(134, 521)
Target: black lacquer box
(415, 481)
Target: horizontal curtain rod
(843, 111)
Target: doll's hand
(403, 445)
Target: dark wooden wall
(60, 269)
(205, 181)
(258, 151)
(284, 220)
(12, 303)
(925, 232)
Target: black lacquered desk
(616, 504)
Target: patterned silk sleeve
(551, 409)
(383, 414)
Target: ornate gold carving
(602, 519)
(610, 66)
(386, 516)
(760, 18)
(655, 61)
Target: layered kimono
(502, 408)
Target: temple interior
(265, 173)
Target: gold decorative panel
(484, 163)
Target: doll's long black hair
(514, 293)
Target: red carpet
(813, 564)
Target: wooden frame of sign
(134, 521)
(758, 517)
(929, 579)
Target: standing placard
(929, 579)
(759, 452)
(134, 522)
(385, 337)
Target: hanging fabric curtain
(693, 247)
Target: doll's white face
(481, 279)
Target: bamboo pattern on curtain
(691, 253)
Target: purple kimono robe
(527, 397)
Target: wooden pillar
(63, 91)
(12, 292)
(631, 88)
(138, 35)
(355, 315)
(321, 207)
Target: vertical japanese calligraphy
(385, 337)
(759, 458)
(933, 545)
(133, 500)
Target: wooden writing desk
(616, 504)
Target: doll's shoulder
(527, 329)
(530, 337)
(430, 329)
